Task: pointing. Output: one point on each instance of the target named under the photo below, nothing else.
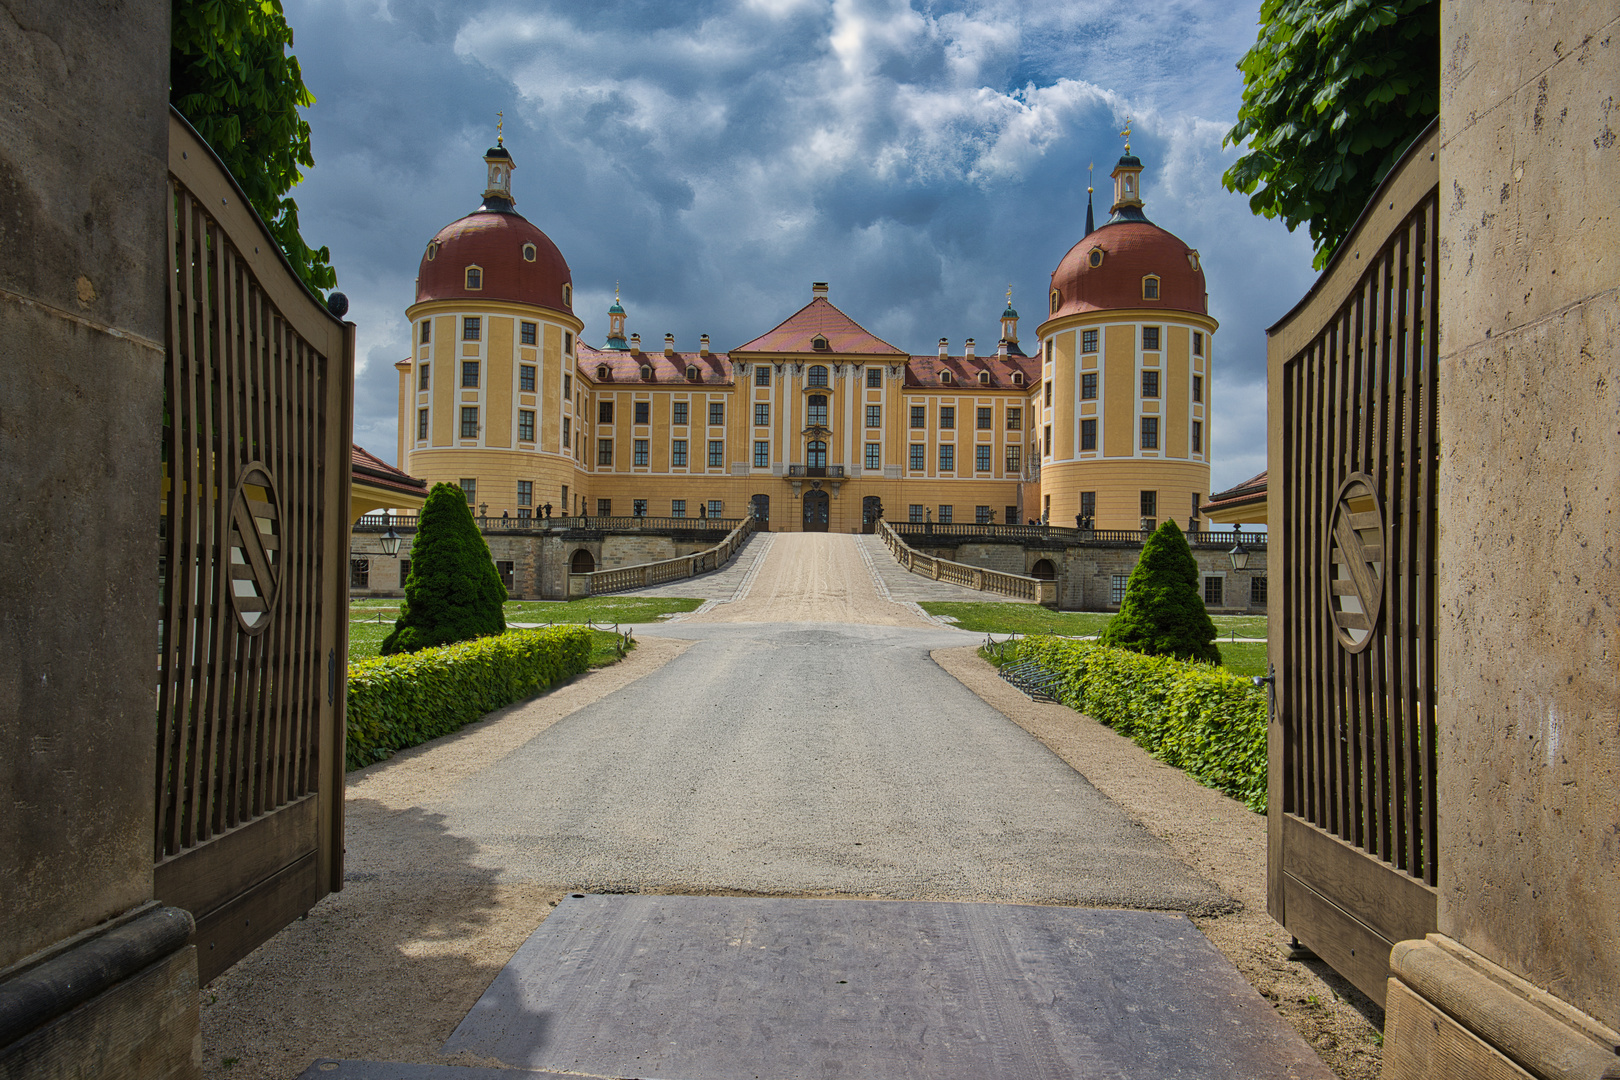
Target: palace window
(1150, 288)
(716, 508)
(947, 417)
(1046, 441)
(638, 507)
(1013, 464)
(1015, 419)
(679, 411)
(717, 453)
(643, 412)
(915, 513)
(947, 457)
(568, 342)
(1198, 436)
(1150, 384)
(874, 378)
(762, 454)
(717, 413)
(469, 422)
(919, 457)
(986, 417)
(604, 451)
(568, 433)
(874, 416)
(1088, 386)
(359, 573)
(1198, 343)
(677, 508)
(1088, 504)
(762, 414)
(526, 332)
(818, 375)
(981, 459)
(1116, 589)
(983, 515)
(1088, 341)
(945, 514)
(1150, 433)
(677, 452)
(422, 377)
(472, 328)
(874, 455)
(604, 507)
(919, 417)
(1048, 393)
(469, 488)
(426, 330)
(1150, 504)
(568, 296)
(604, 412)
(762, 375)
(526, 378)
(1150, 337)
(1257, 590)
(1198, 388)
(815, 454)
(525, 425)
(475, 278)
(1088, 434)
(817, 413)
(1213, 591)
(421, 423)
(469, 373)
(638, 451)
(525, 492)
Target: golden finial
(1090, 167)
(615, 292)
(1126, 135)
(1009, 294)
(500, 121)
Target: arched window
(568, 295)
(984, 378)
(1056, 300)
(692, 372)
(815, 455)
(818, 375)
(475, 278)
(1042, 569)
(582, 563)
(818, 410)
(646, 372)
(1150, 287)
(819, 344)
(945, 377)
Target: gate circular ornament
(1355, 562)
(255, 539)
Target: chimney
(1001, 350)
(818, 290)
(635, 342)
(669, 344)
(703, 345)
(944, 348)
(967, 350)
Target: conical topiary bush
(1163, 612)
(454, 593)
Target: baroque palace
(816, 424)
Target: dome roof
(1130, 251)
(496, 241)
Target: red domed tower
(484, 399)
(1123, 437)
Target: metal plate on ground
(728, 988)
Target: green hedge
(401, 701)
(1198, 717)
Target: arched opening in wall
(1044, 570)
(582, 563)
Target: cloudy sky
(717, 156)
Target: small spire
(500, 120)
(1091, 220)
(1126, 135)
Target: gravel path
(796, 740)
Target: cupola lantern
(500, 165)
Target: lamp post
(390, 543)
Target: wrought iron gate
(252, 580)
(1353, 452)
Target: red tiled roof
(799, 330)
(493, 240)
(1131, 250)
(378, 473)
(924, 371)
(1252, 490)
(625, 367)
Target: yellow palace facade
(816, 424)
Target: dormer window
(601, 372)
(1096, 257)
(568, 295)
(433, 250)
(692, 372)
(475, 279)
(1057, 299)
(528, 253)
(1018, 378)
(1192, 259)
(984, 378)
(1150, 287)
(945, 378)
(646, 372)
(819, 344)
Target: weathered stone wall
(1529, 633)
(83, 167)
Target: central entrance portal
(871, 510)
(816, 507)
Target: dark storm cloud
(717, 157)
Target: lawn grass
(1001, 618)
(594, 609)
